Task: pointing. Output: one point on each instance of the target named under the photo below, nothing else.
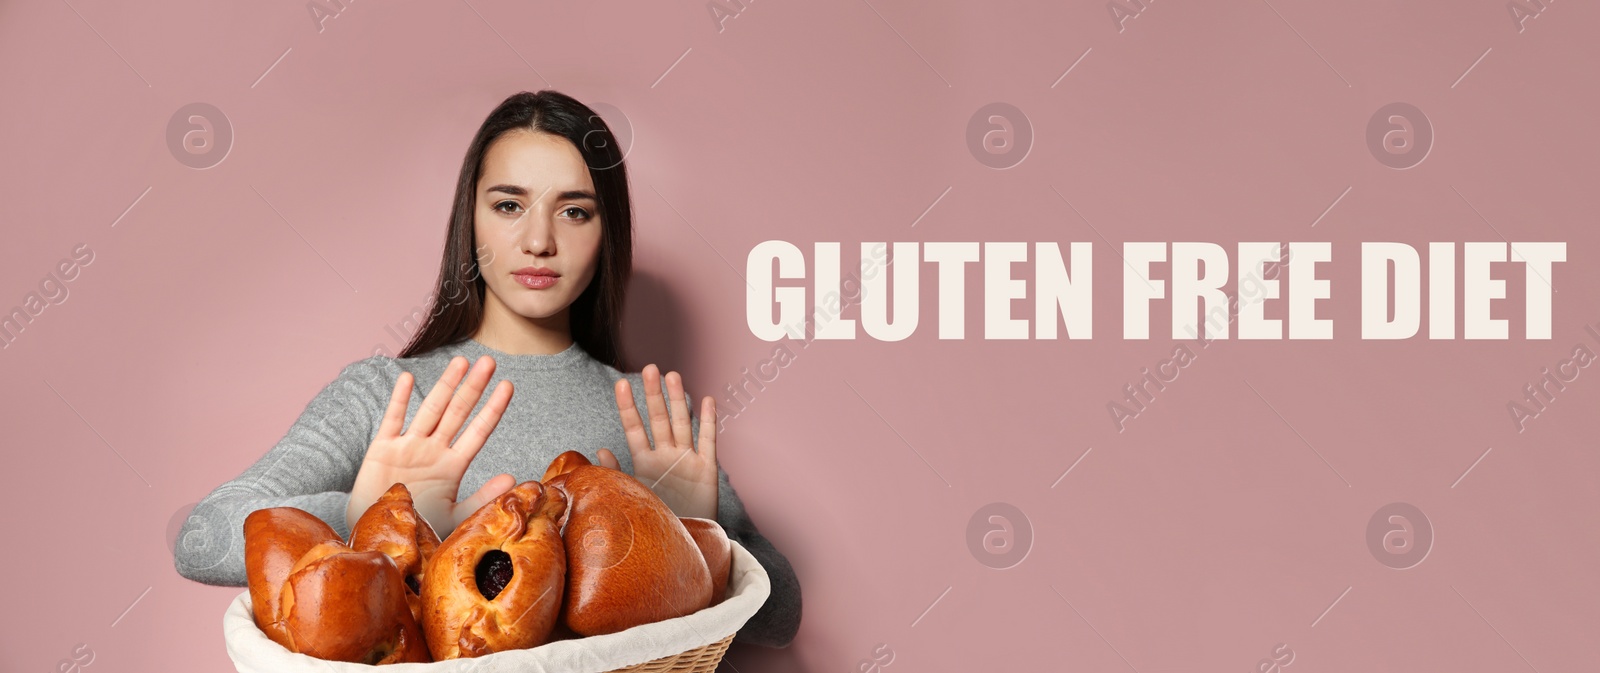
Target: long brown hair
(596, 314)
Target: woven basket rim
(700, 659)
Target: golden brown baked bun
(496, 582)
(564, 464)
(345, 605)
(717, 550)
(274, 539)
(393, 526)
(630, 561)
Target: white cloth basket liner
(748, 587)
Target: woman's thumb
(494, 488)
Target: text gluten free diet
(1404, 292)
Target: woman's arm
(775, 624)
(778, 619)
(313, 468)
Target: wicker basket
(703, 659)
(693, 643)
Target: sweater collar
(472, 349)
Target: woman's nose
(538, 237)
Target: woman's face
(536, 209)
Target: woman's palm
(684, 478)
(427, 457)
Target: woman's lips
(535, 282)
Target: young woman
(530, 294)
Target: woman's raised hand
(427, 457)
(685, 479)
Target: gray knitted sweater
(560, 402)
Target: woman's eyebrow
(517, 190)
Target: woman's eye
(501, 206)
(582, 214)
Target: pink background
(1201, 538)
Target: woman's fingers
(466, 448)
(466, 397)
(632, 425)
(608, 459)
(395, 415)
(433, 405)
(494, 488)
(682, 430)
(708, 430)
(660, 424)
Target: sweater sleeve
(778, 620)
(312, 468)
